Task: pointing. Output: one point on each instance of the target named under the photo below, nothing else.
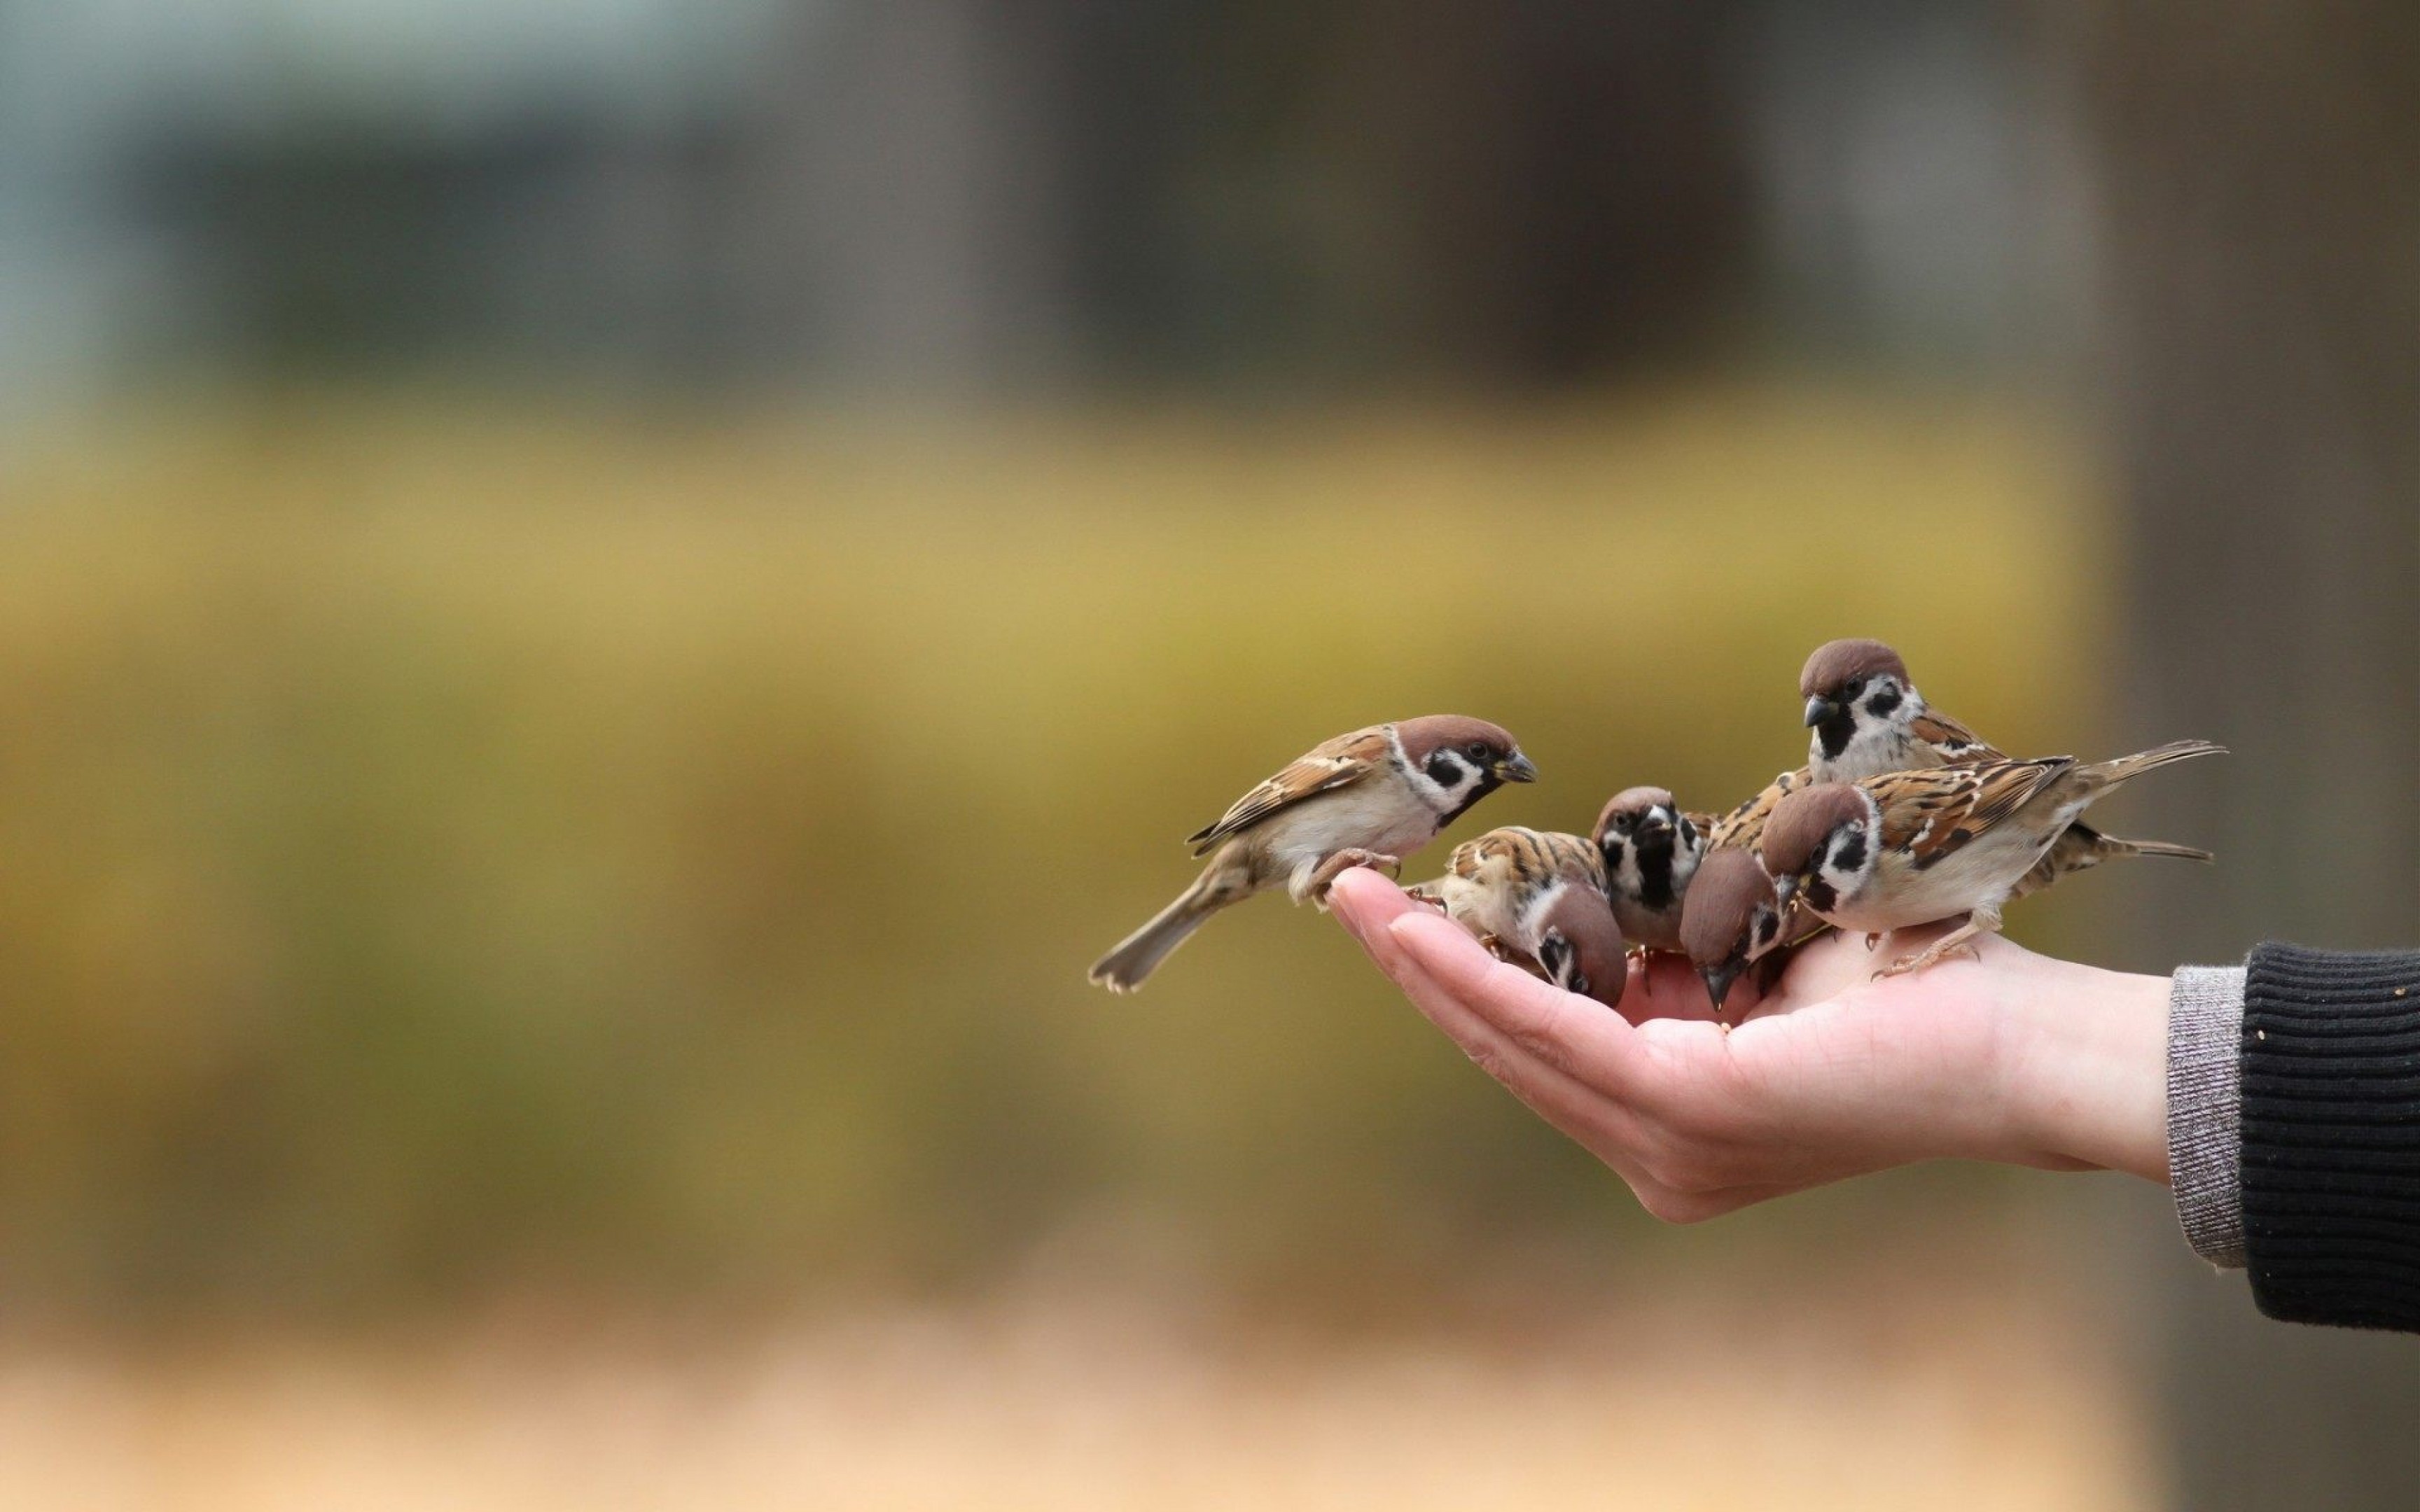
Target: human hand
(2008, 1057)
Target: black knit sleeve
(2332, 1135)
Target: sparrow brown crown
(1729, 888)
(1803, 819)
(1634, 801)
(1838, 663)
(1588, 929)
(1453, 732)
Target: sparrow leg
(1980, 922)
(1343, 861)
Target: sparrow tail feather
(1140, 954)
(2155, 847)
(2109, 773)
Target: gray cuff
(2205, 1109)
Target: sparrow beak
(1819, 709)
(1517, 768)
(1784, 890)
(1719, 980)
(1653, 823)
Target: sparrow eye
(1478, 750)
(1854, 687)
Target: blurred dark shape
(2262, 224)
(1568, 183)
(964, 197)
(369, 250)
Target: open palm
(2009, 1055)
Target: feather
(1328, 766)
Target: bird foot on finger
(1907, 964)
(1343, 861)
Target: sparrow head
(1463, 758)
(1648, 845)
(1637, 813)
(1730, 917)
(1847, 682)
(1820, 839)
(1580, 946)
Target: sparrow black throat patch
(1655, 875)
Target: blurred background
(604, 602)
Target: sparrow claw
(1939, 953)
(1342, 862)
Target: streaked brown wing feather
(1932, 813)
(1958, 744)
(1743, 826)
(1529, 854)
(1330, 764)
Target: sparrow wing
(1330, 764)
(1529, 856)
(1744, 825)
(1958, 744)
(1932, 813)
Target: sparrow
(1867, 718)
(1907, 848)
(1368, 798)
(1732, 919)
(1651, 850)
(1538, 896)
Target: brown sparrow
(1907, 848)
(1367, 799)
(1868, 718)
(1537, 896)
(1651, 850)
(1732, 918)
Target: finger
(1363, 900)
(1572, 1034)
(1601, 1126)
(1607, 1128)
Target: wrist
(2086, 1075)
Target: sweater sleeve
(2205, 1104)
(2330, 1060)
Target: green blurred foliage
(441, 850)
